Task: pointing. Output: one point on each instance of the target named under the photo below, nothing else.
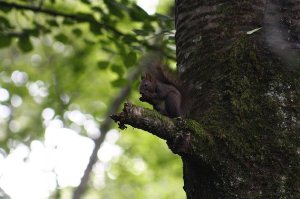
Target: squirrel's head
(147, 86)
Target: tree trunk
(247, 96)
(241, 139)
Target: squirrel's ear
(144, 76)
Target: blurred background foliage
(63, 63)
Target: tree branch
(146, 119)
(183, 136)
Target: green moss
(195, 127)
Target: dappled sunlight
(36, 59)
(69, 159)
(38, 166)
(148, 6)
(4, 95)
(38, 90)
(14, 126)
(5, 112)
(16, 101)
(19, 78)
(17, 170)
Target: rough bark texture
(247, 93)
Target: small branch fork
(179, 138)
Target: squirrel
(165, 92)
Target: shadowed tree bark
(242, 58)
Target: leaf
(61, 37)
(85, 1)
(138, 14)
(5, 9)
(77, 32)
(4, 22)
(24, 43)
(32, 32)
(5, 40)
(85, 17)
(129, 39)
(253, 31)
(117, 69)
(137, 48)
(130, 59)
(68, 21)
(107, 49)
(171, 37)
(89, 42)
(163, 17)
(118, 82)
(95, 28)
(148, 27)
(102, 64)
(115, 8)
(52, 22)
(120, 47)
(141, 32)
(97, 9)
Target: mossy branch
(183, 136)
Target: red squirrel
(166, 93)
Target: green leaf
(107, 49)
(32, 32)
(163, 17)
(4, 23)
(148, 27)
(137, 48)
(117, 69)
(89, 42)
(118, 82)
(5, 40)
(68, 21)
(5, 9)
(24, 43)
(138, 14)
(85, 1)
(85, 17)
(120, 47)
(141, 32)
(97, 9)
(103, 64)
(52, 22)
(171, 38)
(77, 32)
(114, 8)
(95, 28)
(61, 37)
(129, 39)
(130, 59)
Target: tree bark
(241, 139)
